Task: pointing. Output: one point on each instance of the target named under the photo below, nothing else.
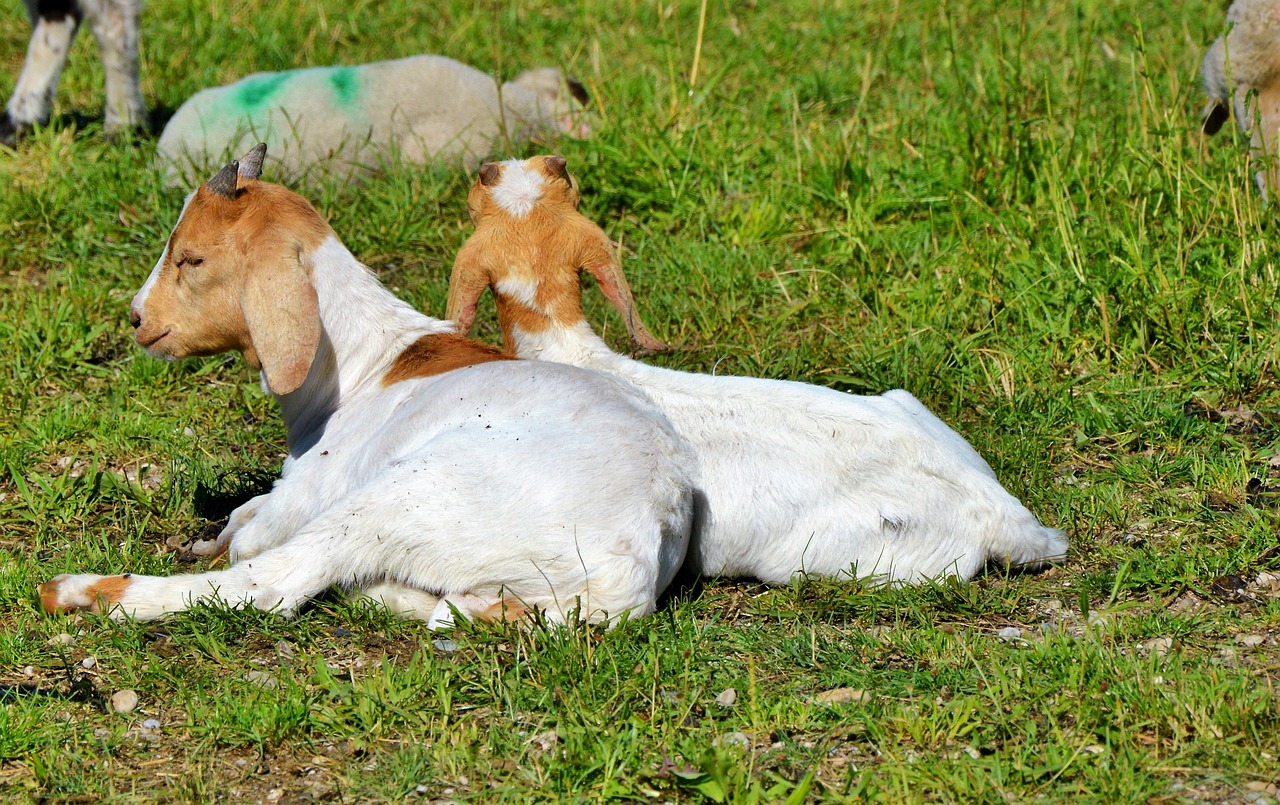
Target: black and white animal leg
(115, 25)
(54, 29)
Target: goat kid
(54, 25)
(797, 478)
(423, 467)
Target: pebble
(124, 701)
(1250, 640)
(727, 697)
(1157, 645)
(284, 650)
(1009, 634)
(447, 646)
(63, 639)
(262, 679)
(151, 724)
(89, 663)
(841, 695)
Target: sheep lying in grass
(423, 467)
(797, 478)
(344, 121)
(54, 24)
(1242, 76)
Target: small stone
(262, 679)
(1010, 634)
(727, 697)
(1098, 620)
(151, 724)
(447, 646)
(1262, 787)
(1250, 640)
(89, 663)
(124, 701)
(29, 672)
(1158, 646)
(1093, 749)
(735, 738)
(274, 794)
(187, 431)
(63, 639)
(339, 631)
(842, 695)
(284, 650)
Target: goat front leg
(115, 26)
(54, 29)
(280, 579)
(239, 518)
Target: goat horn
(224, 181)
(488, 173)
(251, 163)
(557, 167)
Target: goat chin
(427, 470)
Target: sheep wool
(1247, 58)
(349, 121)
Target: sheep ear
(1215, 114)
(224, 181)
(578, 91)
(467, 284)
(608, 275)
(251, 163)
(283, 313)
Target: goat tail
(1028, 544)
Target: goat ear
(251, 163)
(283, 313)
(603, 265)
(467, 283)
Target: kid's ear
(467, 283)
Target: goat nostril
(135, 319)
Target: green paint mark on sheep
(344, 82)
(256, 91)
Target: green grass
(1005, 208)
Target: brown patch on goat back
(436, 354)
(508, 609)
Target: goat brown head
(235, 276)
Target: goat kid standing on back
(423, 467)
(797, 478)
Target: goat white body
(501, 482)
(54, 25)
(800, 478)
(346, 121)
(795, 478)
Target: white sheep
(796, 478)
(346, 121)
(1242, 76)
(54, 24)
(423, 467)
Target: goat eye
(195, 261)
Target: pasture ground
(1006, 208)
